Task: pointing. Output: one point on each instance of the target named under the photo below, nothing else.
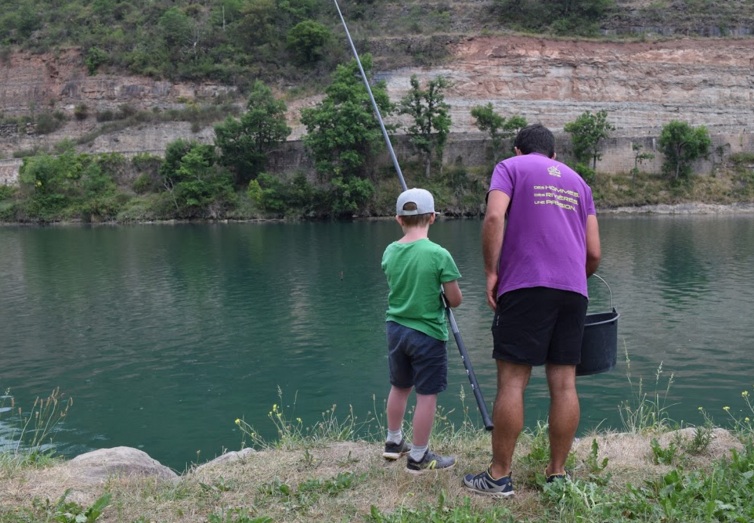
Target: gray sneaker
(394, 451)
(483, 483)
(430, 461)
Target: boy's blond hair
(416, 220)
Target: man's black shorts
(539, 325)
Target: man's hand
(492, 291)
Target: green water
(165, 334)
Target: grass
(654, 471)
(29, 441)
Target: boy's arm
(452, 293)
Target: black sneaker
(483, 483)
(552, 478)
(394, 451)
(430, 461)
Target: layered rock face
(642, 85)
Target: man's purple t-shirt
(545, 237)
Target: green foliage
(308, 41)
(348, 197)
(442, 512)
(48, 122)
(236, 515)
(725, 493)
(639, 158)
(663, 456)
(197, 188)
(592, 462)
(294, 198)
(7, 192)
(343, 133)
(94, 58)
(292, 432)
(81, 112)
(682, 144)
(63, 511)
(569, 17)
(647, 410)
(587, 131)
(587, 173)
(245, 143)
(34, 429)
(430, 125)
(498, 127)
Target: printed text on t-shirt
(551, 195)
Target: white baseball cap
(422, 198)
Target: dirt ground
(630, 460)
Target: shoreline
(663, 209)
(681, 209)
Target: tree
(586, 133)
(193, 181)
(498, 127)
(639, 158)
(177, 31)
(682, 144)
(308, 41)
(431, 119)
(343, 134)
(245, 143)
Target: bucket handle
(608, 287)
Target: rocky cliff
(643, 85)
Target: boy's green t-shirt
(415, 272)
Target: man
(540, 241)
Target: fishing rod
(451, 318)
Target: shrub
(81, 112)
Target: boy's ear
(432, 218)
(398, 219)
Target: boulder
(100, 465)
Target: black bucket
(599, 347)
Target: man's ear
(554, 156)
(517, 151)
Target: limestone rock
(99, 465)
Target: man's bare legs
(507, 415)
(564, 414)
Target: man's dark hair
(535, 138)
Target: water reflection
(166, 334)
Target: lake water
(165, 334)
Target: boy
(416, 269)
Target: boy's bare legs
(424, 417)
(507, 415)
(396, 407)
(564, 414)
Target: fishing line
(451, 319)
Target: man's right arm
(493, 229)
